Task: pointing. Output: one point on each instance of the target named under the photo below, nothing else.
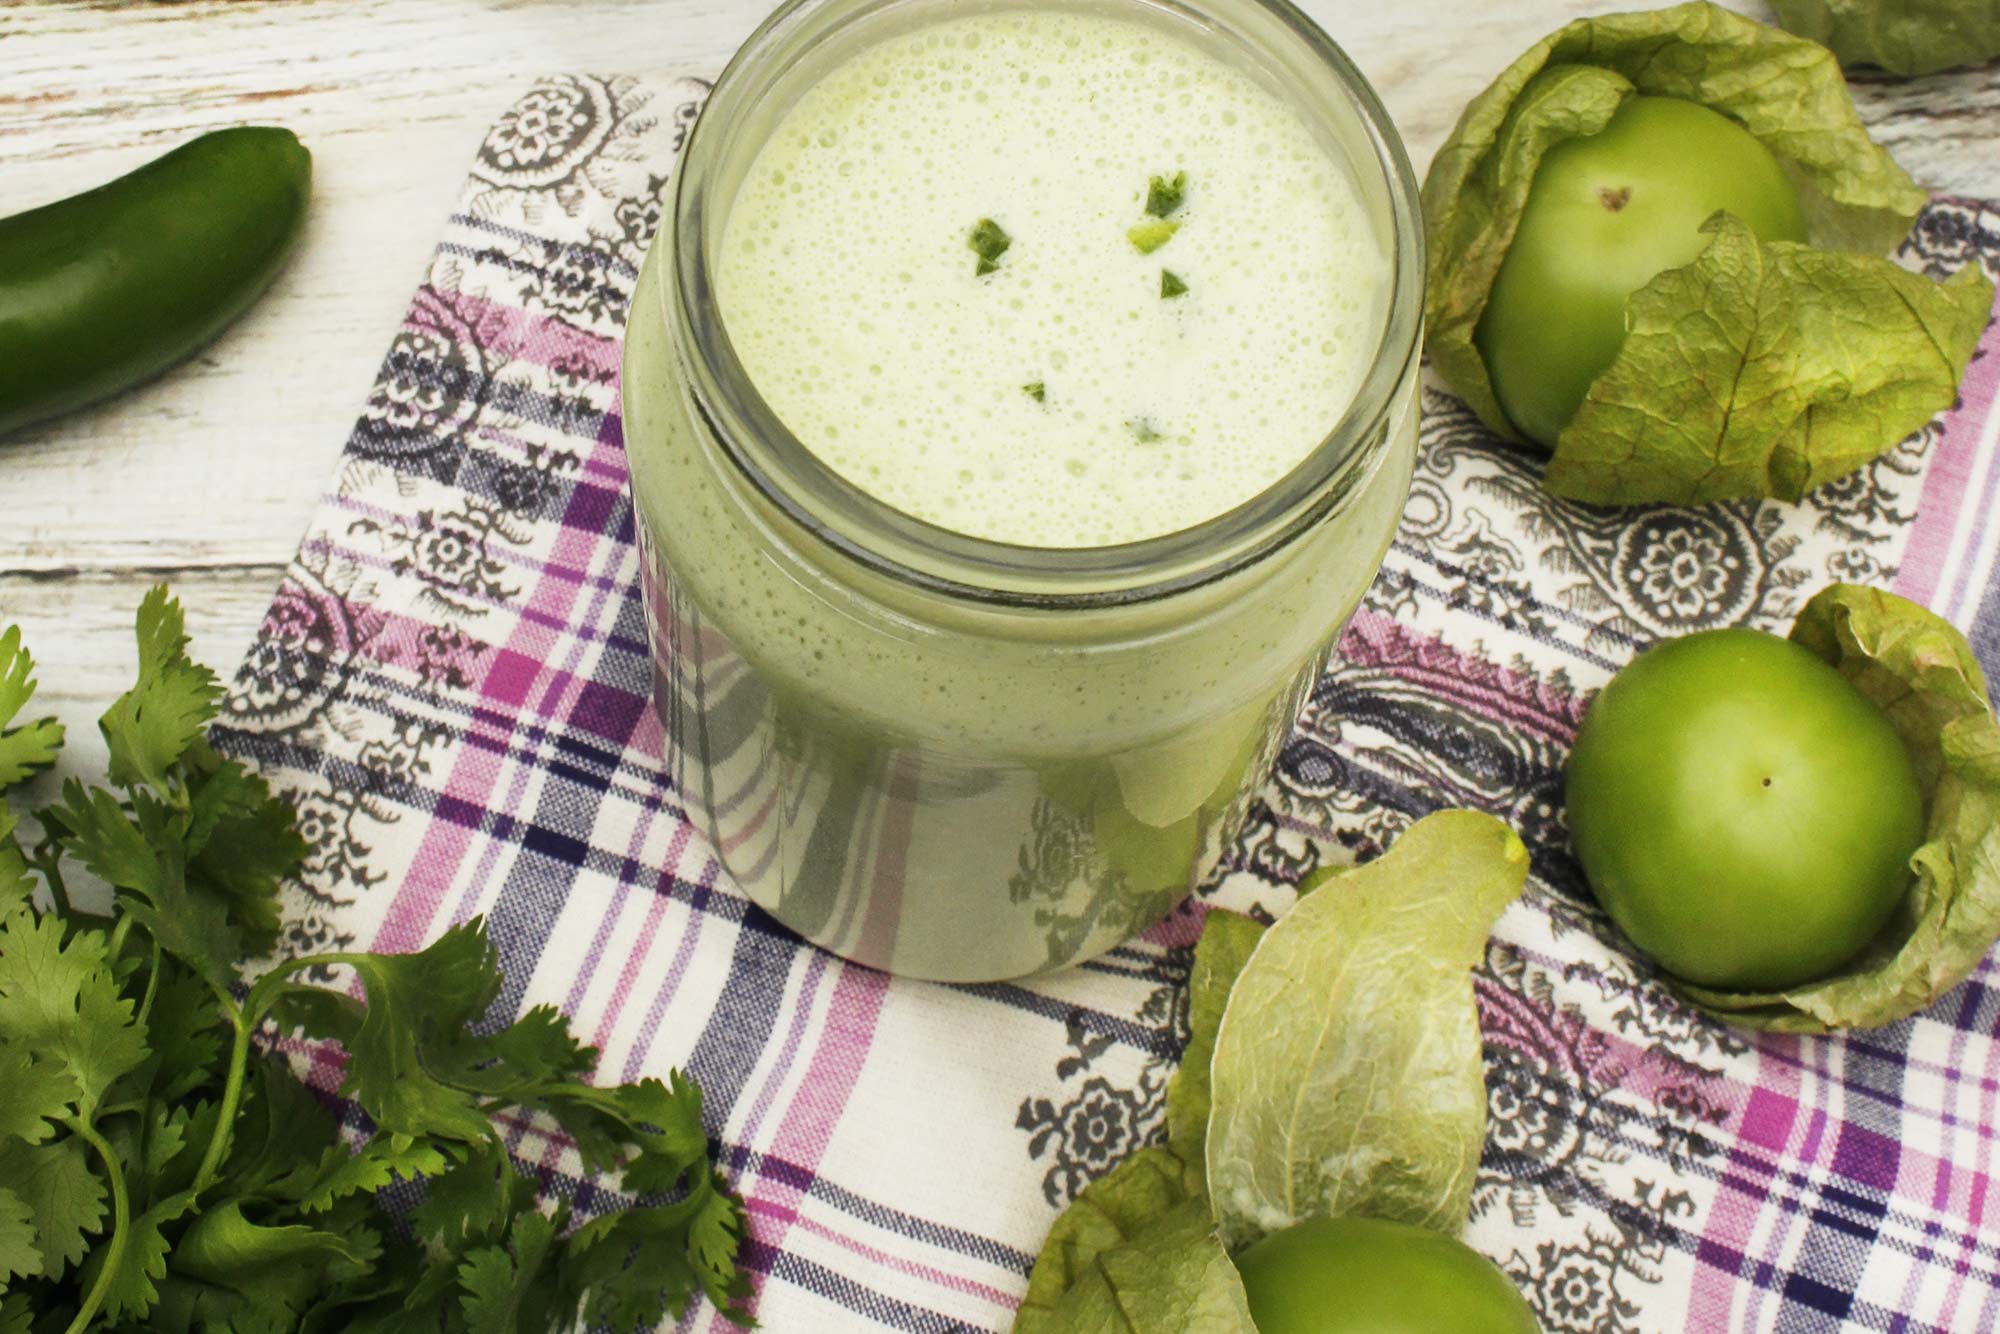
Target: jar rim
(856, 525)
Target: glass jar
(950, 757)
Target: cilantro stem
(244, 1019)
(119, 931)
(232, 1093)
(152, 981)
(48, 860)
(121, 1216)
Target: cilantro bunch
(161, 1170)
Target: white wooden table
(207, 478)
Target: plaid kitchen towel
(452, 683)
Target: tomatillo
(1744, 813)
(1373, 1276)
(1605, 214)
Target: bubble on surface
(852, 298)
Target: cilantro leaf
(470, 1223)
(281, 1266)
(60, 1001)
(511, 1288)
(243, 844)
(648, 1262)
(63, 1195)
(1150, 236)
(30, 746)
(187, 1303)
(1036, 390)
(664, 1120)
(412, 1038)
(988, 242)
(129, 1289)
(417, 1067)
(534, 1050)
(640, 1265)
(144, 853)
(283, 1138)
(715, 1233)
(20, 1242)
(1171, 285)
(194, 1125)
(221, 790)
(1164, 194)
(223, 905)
(104, 838)
(185, 1029)
(635, 1275)
(33, 1092)
(318, 1012)
(430, 1295)
(603, 1121)
(382, 1160)
(16, 885)
(167, 1140)
(458, 1204)
(677, 1247)
(232, 1201)
(154, 723)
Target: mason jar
(942, 755)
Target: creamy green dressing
(1081, 391)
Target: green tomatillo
(1607, 213)
(1744, 813)
(1372, 1276)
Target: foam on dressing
(851, 296)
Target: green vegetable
(1150, 236)
(1227, 941)
(109, 288)
(1165, 194)
(1901, 36)
(1347, 1076)
(1139, 1255)
(1766, 370)
(1743, 812)
(156, 1174)
(1149, 1222)
(1111, 1212)
(1171, 285)
(1371, 1276)
(25, 748)
(1035, 390)
(1789, 95)
(1609, 212)
(1920, 672)
(988, 242)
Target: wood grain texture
(208, 476)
